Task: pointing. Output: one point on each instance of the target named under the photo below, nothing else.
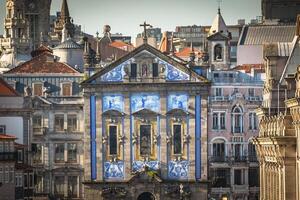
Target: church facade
(145, 129)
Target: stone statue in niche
(126, 70)
(144, 70)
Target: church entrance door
(146, 196)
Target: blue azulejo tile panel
(139, 165)
(114, 170)
(174, 74)
(178, 169)
(113, 102)
(115, 75)
(178, 101)
(149, 101)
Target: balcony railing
(237, 130)
(232, 159)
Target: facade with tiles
(145, 129)
(55, 138)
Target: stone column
(99, 134)
(163, 135)
(127, 142)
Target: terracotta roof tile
(185, 52)
(7, 90)
(247, 68)
(41, 50)
(7, 137)
(44, 63)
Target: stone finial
(298, 25)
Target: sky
(124, 16)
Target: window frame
(34, 93)
(181, 139)
(62, 88)
(62, 128)
(59, 159)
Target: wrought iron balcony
(240, 158)
(219, 159)
(252, 158)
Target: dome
(68, 44)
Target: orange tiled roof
(41, 50)
(7, 137)
(185, 52)
(247, 67)
(7, 90)
(118, 43)
(44, 63)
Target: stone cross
(145, 25)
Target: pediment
(177, 112)
(113, 113)
(145, 112)
(145, 57)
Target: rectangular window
(155, 70)
(113, 144)
(59, 152)
(218, 91)
(238, 177)
(72, 123)
(251, 92)
(1, 175)
(72, 152)
(252, 121)
(37, 153)
(39, 184)
(59, 185)
(20, 156)
(38, 89)
(25, 180)
(253, 177)
(215, 121)
(221, 178)
(133, 70)
(222, 121)
(11, 175)
(59, 122)
(37, 124)
(2, 129)
(72, 186)
(177, 140)
(31, 180)
(66, 89)
(145, 140)
(219, 150)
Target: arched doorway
(146, 196)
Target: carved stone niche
(297, 77)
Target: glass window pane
(113, 140)
(145, 140)
(177, 139)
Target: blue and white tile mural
(114, 75)
(178, 101)
(178, 169)
(114, 169)
(150, 101)
(174, 74)
(113, 102)
(139, 165)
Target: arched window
(237, 120)
(218, 150)
(218, 53)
